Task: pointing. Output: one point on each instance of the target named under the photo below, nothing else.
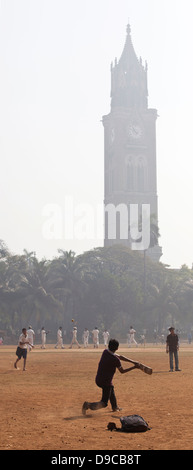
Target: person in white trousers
(43, 338)
(95, 335)
(31, 337)
(74, 338)
(131, 337)
(85, 337)
(106, 335)
(59, 339)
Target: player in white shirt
(74, 338)
(131, 337)
(59, 339)
(31, 336)
(43, 337)
(85, 337)
(22, 348)
(95, 336)
(106, 335)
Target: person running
(131, 337)
(22, 348)
(108, 364)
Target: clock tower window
(130, 176)
(141, 175)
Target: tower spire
(128, 29)
(129, 78)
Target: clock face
(135, 131)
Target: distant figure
(155, 336)
(162, 338)
(172, 347)
(74, 338)
(95, 336)
(85, 337)
(59, 339)
(131, 337)
(142, 339)
(43, 337)
(189, 337)
(106, 338)
(22, 348)
(31, 336)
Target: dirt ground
(40, 408)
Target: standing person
(74, 338)
(106, 338)
(43, 337)
(189, 337)
(155, 336)
(131, 337)
(162, 338)
(85, 337)
(22, 348)
(108, 364)
(59, 338)
(95, 337)
(172, 347)
(31, 336)
(143, 340)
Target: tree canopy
(103, 287)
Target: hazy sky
(55, 58)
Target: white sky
(55, 60)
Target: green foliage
(109, 288)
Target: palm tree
(154, 235)
(66, 282)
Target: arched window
(130, 175)
(141, 174)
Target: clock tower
(129, 151)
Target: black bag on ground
(132, 423)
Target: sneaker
(85, 407)
(171, 370)
(178, 370)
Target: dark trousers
(174, 354)
(107, 394)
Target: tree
(66, 282)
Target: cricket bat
(146, 369)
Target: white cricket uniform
(95, 333)
(31, 335)
(43, 338)
(74, 337)
(85, 338)
(105, 337)
(59, 339)
(131, 338)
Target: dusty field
(41, 407)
